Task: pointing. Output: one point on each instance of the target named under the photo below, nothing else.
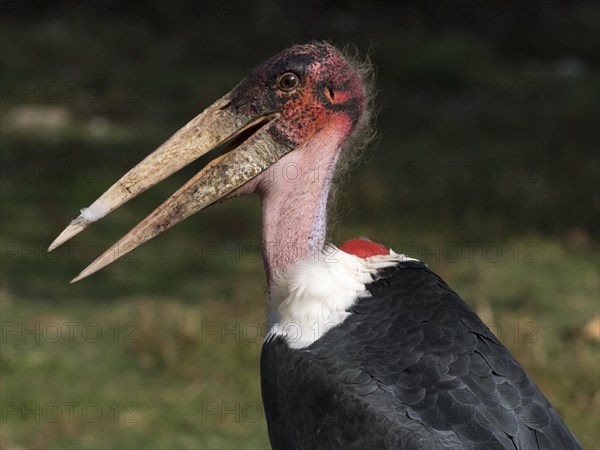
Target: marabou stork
(367, 349)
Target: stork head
(305, 98)
(311, 87)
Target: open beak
(251, 150)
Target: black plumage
(412, 367)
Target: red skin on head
(363, 248)
(318, 104)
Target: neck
(294, 210)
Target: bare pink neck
(294, 194)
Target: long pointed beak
(243, 160)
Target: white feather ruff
(313, 295)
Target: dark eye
(288, 81)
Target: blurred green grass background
(486, 168)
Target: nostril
(224, 105)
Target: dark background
(486, 167)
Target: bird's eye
(288, 81)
